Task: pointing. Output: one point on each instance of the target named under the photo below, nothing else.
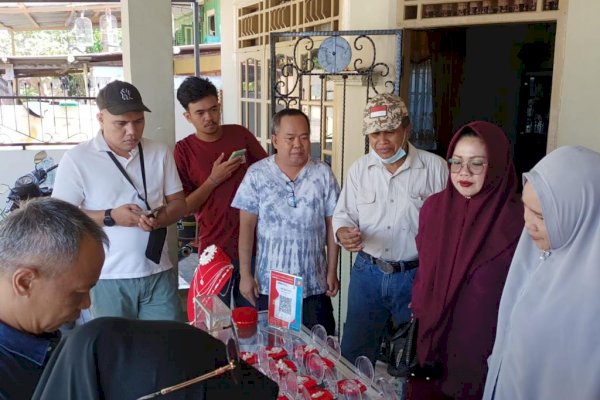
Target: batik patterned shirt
(291, 229)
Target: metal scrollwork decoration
(375, 68)
(333, 56)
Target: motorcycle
(37, 183)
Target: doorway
(497, 73)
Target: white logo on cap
(125, 94)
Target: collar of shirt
(34, 348)
(100, 144)
(278, 170)
(412, 160)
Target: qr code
(285, 305)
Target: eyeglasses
(475, 166)
(232, 357)
(291, 196)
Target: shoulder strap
(120, 167)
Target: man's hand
(127, 214)
(249, 288)
(148, 223)
(165, 214)
(222, 170)
(350, 238)
(333, 284)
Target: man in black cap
(130, 186)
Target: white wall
(579, 116)
(148, 62)
(229, 70)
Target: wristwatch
(108, 220)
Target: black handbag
(402, 349)
(402, 360)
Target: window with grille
(420, 104)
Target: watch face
(108, 220)
(334, 54)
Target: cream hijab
(548, 340)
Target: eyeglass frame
(291, 199)
(452, 163)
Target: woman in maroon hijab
(467, 237)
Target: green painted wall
(211, 18)
(211, 7)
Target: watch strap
(108, 219)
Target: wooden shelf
(426, 13)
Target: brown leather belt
(388, 267)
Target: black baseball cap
(120, 97)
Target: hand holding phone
(154, 212)
(241, 153)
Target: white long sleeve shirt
(385, 206)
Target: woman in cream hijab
(549, 320)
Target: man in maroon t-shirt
(210, 177)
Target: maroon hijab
(456, 234)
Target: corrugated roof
(28, 16)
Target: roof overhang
(54, 15)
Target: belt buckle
(385, 266)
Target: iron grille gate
(287, 73)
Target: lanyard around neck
(118, 164)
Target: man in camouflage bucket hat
(377, 216)
(385, 112)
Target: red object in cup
(244, 317)
(349, 386)
(249, 357)
(328, 363)
(245, 320)
(321, 394)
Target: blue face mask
(400, 154)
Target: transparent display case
(305, 364)
(314, 360)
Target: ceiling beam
(26, 13)
(54, 8)
(69, 19)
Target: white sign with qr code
(285, 303)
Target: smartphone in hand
(241, 153)
(154, 212)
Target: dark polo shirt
(22, 360)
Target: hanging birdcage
(109, 30)
(83, 32)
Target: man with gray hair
(51, 254)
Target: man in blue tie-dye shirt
(288, 200)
